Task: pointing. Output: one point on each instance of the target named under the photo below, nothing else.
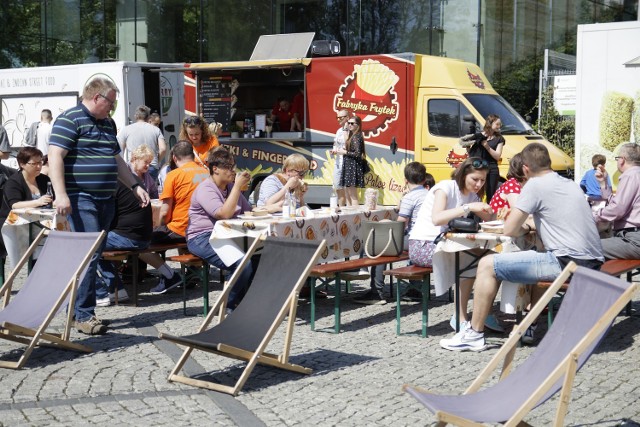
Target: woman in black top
(28, 187)
(488, 146)
(353, 161)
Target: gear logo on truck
(166, 95)
(369, 92)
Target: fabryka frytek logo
(369, 93)
(475, 79)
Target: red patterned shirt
(508, 187)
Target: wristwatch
(133, 187)
(466, 209)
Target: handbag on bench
(384, 238)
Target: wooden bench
(406, 275)
(134, 254)
(190, 260)
(336, 271)
(613, 267)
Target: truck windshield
(512, 123)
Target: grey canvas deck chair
(245, 333)
(588, 310)
(53, 282)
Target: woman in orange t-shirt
(196, 130)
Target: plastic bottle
(333, 200)
(293, 205)
(286, 206)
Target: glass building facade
(505, 37)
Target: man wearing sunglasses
(562, 219)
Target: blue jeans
(90, 215)
(200, 246)
(528, 267)
(108, 280)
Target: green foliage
(615, 119)
(518, 83)
(559, 130)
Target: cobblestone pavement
(357, 378)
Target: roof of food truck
(240, 65)
(436, 71)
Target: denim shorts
(528, 267)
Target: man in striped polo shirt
(84, 166)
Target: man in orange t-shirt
(179, 185)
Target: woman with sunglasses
(274, 187)
(449, 199)
(217, 198)
(196, 130)
(488, 145)
(353, 158)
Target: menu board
(216, 98)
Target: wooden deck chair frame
(252, 358)
(567, 367)
(34, 337)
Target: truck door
(171, 105)
(439, 149)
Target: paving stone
(357, 378)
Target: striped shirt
(90, 165)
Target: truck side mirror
(393, 146)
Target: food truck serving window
(241, 98)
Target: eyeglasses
(112, 103)
(193, 120)
(299, 173)
(618, 158)
(351, 123)
(341, 117)
(40, 163)
(480, 164)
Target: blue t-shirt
(592, 185)
(90, 165)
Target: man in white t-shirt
(562, 219)
(143, 133)
(44, 131)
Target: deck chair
(590, 307)
(52, 283)
(245, 333)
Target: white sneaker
(122, 296)
(103, 302)
(465, 340)
(465, 324)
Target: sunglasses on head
(480, 164)
(193, 120)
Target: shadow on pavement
(321, 361)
